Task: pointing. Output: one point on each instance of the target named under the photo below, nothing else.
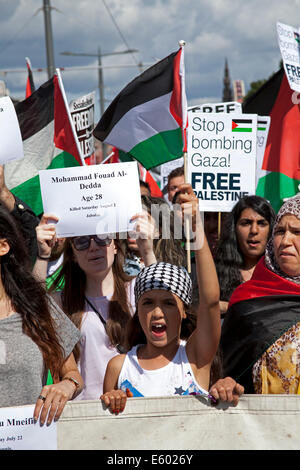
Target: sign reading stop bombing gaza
(222, 158)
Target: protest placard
(92, 199)
(263, 126)
(11, 147)
(18, 431)
(289, 44)
(221, 158)
(226, 107)
(82, 113)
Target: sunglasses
(83, 243)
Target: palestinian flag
(148, 117)
(48, 140)
(241, 125)
(148, 178)
(145, 175)
(30, 88)
(261, 125)
(297, 37)
(260, 311)
(281, 165)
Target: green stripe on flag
(242, 129)
(261, 128)
(157, 149)
(30, 191)
(275, 187)
(125, 157)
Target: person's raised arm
(144, 232)
(205, 339)
(6, 197)
(46, 237)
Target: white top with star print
(176, 378)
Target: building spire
(227, 89)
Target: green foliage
(254, 86)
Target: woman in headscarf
(260, 339)
(243, 241)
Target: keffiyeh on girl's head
(164, 276)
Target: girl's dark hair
(73, 279)
(28, 297)
(229, 258)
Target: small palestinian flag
(297, 37)
(241, 125)
(281, 163)
(48, 141)
(148, 117)
(261, 125)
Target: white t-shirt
(95, 349)
(176, 378)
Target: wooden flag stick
(219, 225)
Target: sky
(243, 32)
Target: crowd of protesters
(90, 317)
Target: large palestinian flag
(48, 139)
(148, 117)
(280, 176)
(260, 311)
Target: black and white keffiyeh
(164, 276)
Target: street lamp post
(49, 38)
(99, 55)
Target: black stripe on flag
(153, 83)
(37, 111)
(242, 121)
(264, 99)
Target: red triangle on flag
(154, 188)
(234, 125)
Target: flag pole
(107, 158)
(187, 223)
(184, 111)
(219, 224)
(69, 115)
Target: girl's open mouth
(158, 329)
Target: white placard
(19, 432)
(289, 44)
(93, 198)
(226, 107)
(222, 158)
(11, 146)
(263, 126)
(82, 113)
